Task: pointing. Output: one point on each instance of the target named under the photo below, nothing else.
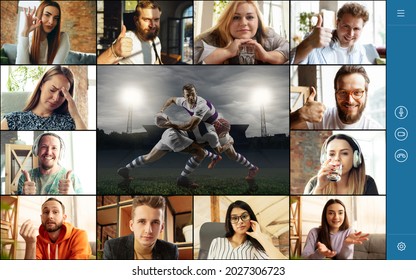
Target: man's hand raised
(320, 36)
(312, 111)
(29, 187)
(65, 184)
(124, 45)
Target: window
(275, 15)
(100, 19)
(20, 78)
(187, 37)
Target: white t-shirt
(331, 120)
(142, 51)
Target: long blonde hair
(54, 37)
(34, 98)
(222, 29)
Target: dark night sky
(231, 89)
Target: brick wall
(78, 21)
(81, 90)
(8, 22)
(305, 151)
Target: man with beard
(339, 46)
(57, 239)
(351, 87)
(141, 46)
(147, 223)
(50, 177)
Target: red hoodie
(72, 244)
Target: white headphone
(356, 161)
(35, 147)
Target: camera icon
(401, 246)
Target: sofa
(372, 249)
(9, 52)
(13, 102)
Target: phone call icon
(401, 155)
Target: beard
(349, 118)
(47, 166)
(55, 227)
(147, 35)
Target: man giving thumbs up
(141, 45)
(50, 177)
(313, 111)
(339, 46)
(119, 49)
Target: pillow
(380, 60)
(75, 57)
(3, 56)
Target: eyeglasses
(244, 218)
(356, 93)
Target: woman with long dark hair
(243, 238)
(335, 238)
(41, 40)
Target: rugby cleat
(183, 181)
(214, 162)
(123, 172)
(252, 172)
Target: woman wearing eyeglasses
(243, 239)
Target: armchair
(372, 249)
(207, 233)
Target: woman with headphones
(50, 177)
(342, 169)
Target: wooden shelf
(9, 226)
(295, 226)
(18, 158)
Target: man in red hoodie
(57, 239)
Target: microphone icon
(401, 112)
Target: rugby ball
(161, 119)
(222, 126)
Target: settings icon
(401, 246)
